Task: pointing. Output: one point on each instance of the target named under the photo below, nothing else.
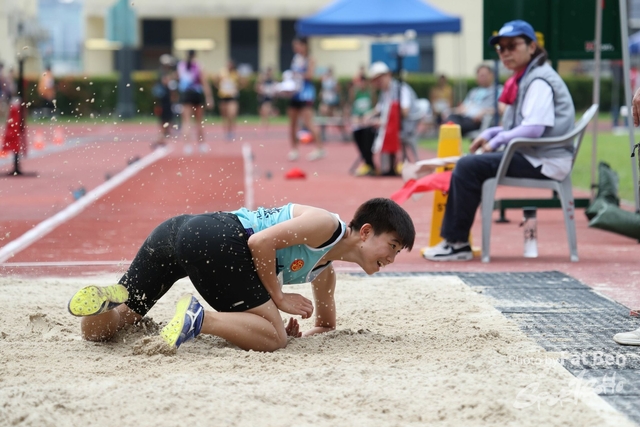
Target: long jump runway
(109, 229)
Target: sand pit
(408, 351)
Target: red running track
(112, 228)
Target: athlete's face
(378, 250)
(299, 47)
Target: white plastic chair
(563, 188)
(424, 109)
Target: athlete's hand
(479, 142)
(295, 304)
(293, 328)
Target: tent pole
(596, 94)
(626, 64)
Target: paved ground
(112, 228)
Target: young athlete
(238, 261)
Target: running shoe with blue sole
(93, 300)
(186, 324)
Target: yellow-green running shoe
(187, 322)
(93, 299)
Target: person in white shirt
(382, 80)
(538, 104)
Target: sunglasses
(510, 47)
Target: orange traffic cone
(38, 140)
(58, 136)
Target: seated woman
(538, 104)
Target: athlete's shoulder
(310, 211)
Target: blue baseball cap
(514, 29)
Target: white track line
(63, 263)
(46, 226)
(247, 158)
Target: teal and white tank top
(294, 264)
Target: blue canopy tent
(377, 17)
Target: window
(244, 42)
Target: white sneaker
(293, 155)
(628, 338)
(316, 154)
(203, 147)
(187, 149)
(447, 251)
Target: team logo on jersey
(296, 265)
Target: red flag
(434, 181)
(391, 142)
(15, 139)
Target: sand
(407, 351)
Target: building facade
(259, 33)
(253, 32)
(20, 34)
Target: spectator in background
(441, 99)
(302, 100)
(381, 79)
(164, 93)
(330, 101)
(47, 92)
(266, 88)
(538, 104)
(479, 102)
(228, 84)
(363, 132)
(359, 100)
(195, 95)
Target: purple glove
(489, 133)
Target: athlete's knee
(277, 343)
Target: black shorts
(211, 249)
(192, 97)
(46, 103)
(166, 114)
(299, 105)
(228, 99)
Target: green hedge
(82, 96)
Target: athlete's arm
(309, 226)
(324, 287)
(311, 69)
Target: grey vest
(564, 111)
